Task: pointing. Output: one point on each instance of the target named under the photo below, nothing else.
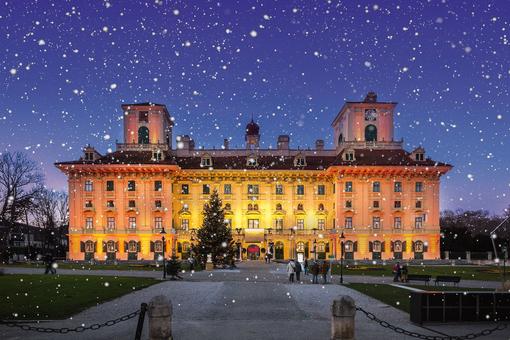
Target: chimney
(283, 142)
(225, 144)
(319, 144)
(185, 143)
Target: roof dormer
(418, 154)
(251, 160)
(299, 160)
(349, 155)
(206, 161)
(90, 154)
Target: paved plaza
(253, 302)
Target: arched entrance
(143, 135)
(253, 252)
(370, 133)
(278, 251)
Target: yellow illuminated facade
(291, 203)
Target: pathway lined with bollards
(255, 302)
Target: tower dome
(252, 128)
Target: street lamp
(163, 233)
(315, 249)
(342, 245)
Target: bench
(419, 277)
(453, 279)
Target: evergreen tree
(214, 236)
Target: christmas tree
(214, 236)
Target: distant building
(28, 241)
(287, 201)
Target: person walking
(290, 270)
(324, 271)
(48, 261)
(305, 265)
(314, 269)
(298, 269)
(191, 261)
(396, 272)
(404, 271)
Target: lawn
(99, 266)
(399, 297)
(57, 296)
(484, 273)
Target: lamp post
(342, 245)
(163, 233)
(315, 249)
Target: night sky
(67, 66)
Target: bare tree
(50, 212)
(20, 180)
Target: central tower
(252, 136)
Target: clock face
(370, 114)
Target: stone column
(468, 256)
(343, 311)
(160, 318)
(446, 255)
(489, 255)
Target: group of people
(295, 268)
(399, 272)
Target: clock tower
(366, 121)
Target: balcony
(89, 208)
(371, 145)
(158, 209)
(141, 147)
(110, 209)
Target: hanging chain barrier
(396, 329)
(65, 330)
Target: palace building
(367, 193)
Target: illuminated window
(299, 160)
(418, 222)
(206, 161)
(377, 247)
(348, 222)
(184, 224)
(89, 223)
(89, 247)
(253, 189)
(132, 222)
(397, 246)
(111, 247)
(88, 185)
(157, 155)
(110, 223)
(253, 223)
(321, 224)
(300, 224)
(158, 246)
(376, 222)
(132, 246)
(158, 223)
(397, 222)
(251, 161)
(278, 223)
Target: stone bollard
(468, 256)
(446, 255)
(343, 311)
(489, 255)
(160, 318)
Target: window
(206, 189)
(131, 186)
(228, 207)
(185, 189)
(131, 204)
(158, 246)
(418, 222)
(255, 207)
(300, 189)
(418, 204)
(397, 222)
(419, 156)
(321, 207)
(132, 222)
(184, 224)
(278, 207)
(376, 187)
(348, 186)
(143, 135)
(375, 204)
(397, 187)
(157, 203)
(228, 222)
(206, 161)
(397, 246)
(419, 187)
(397, 204)
(253, 224)
(185, 207)
(278, 223)
(370, 133)
(321, 189)
(300, 161)
(132, 247)
(110, 186)
(89, 156)
(349, 156)
(158, 185)
(110, 223)
(88, 185)
(157, 155)
(419, 247)
(110, 247)
(377, 247)
(279, 189)
(110, 204)
(143, 116)
(300, 224)
(89, 247)
(251, 161)
(253, 189)
(348, 204)
(348, 223)
(158, 223)
(300, 207)
(321, 224)
(88, 204)
(89, 223)
(227, 189)
(376, 222)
